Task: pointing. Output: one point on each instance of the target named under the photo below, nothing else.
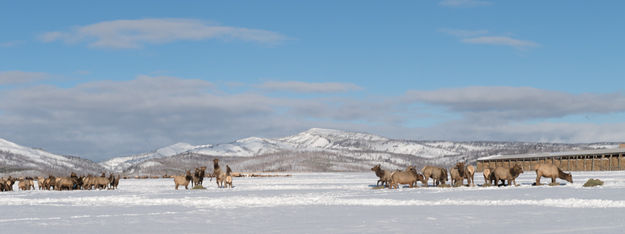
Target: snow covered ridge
(341, 150)
(15, 158)
(316, 150)
(121, 163)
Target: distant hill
(321, 150)
(18, 160)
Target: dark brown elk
(383, 175)
(8, 183)
(438, 175)
(3, 185)
(553, 172)
(114, 181)
(49, 183)
(510, 174)
(409, 177)
(183, 180)
(198, 176)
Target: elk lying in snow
(510, 174)
(183, 180)
(551, 171)
(438, 175)
(384, 175)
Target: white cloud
(529, 132)
(136, 33)
(463, 3)
(18, 77)
(462, 33)
(509, 103)
(500, 40)
(101, 119)
(308, 87)
(10, 43)
(481, 37)
(110, 118)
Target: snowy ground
(321, 203)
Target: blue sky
(118, 77)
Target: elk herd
(461, 172)
(223, 178)
(72, 182)
(391, 179)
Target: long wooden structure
(588, 160)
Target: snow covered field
(321, 203)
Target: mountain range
(312, 150)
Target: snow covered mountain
(317, 139)
(20, 160)
(324, 150)
(121, 163)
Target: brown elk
(438, 175)
(409, 177)
(456, 178)
(198, 176)
(26, 184)
(510, 174)
(8, 183)
(228, 179)
(183, 180)
(466, 172)
(218, 173)
(487, 176)
(88, 182)
(383, 175)
(40, 181)
(49, 183)
(63, 183)
(100, 182)
(114, 181)
(551, 171)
